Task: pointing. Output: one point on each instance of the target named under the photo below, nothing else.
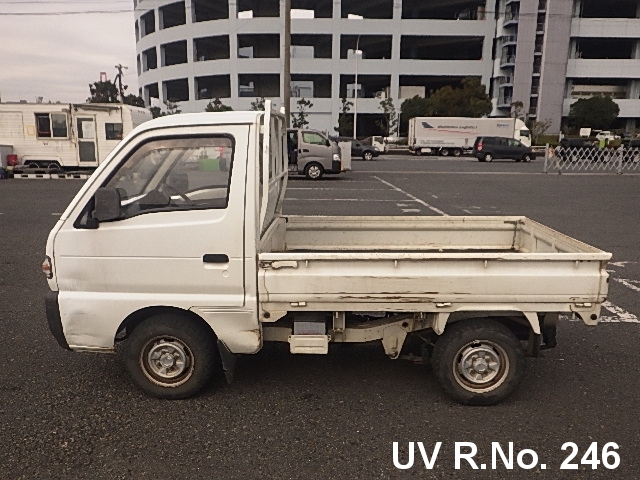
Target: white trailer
(455, 135)
(191, 259)
(68, 136)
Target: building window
(176, 90)
(174, 53)
(213, 86)
(211, 48)
(113, 131)
(206, 10)
(147, 23)
(51, 125)
(172, 15)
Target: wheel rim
(167, 361)
(444, 152)
(481, 366)
(457, 153)
(488, 158)
(368, 156)
(314, 171)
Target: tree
(597, 112)
(412, 107)
(134, 100)
(103, 92)
(517, 110)
(537, 128)
(172, 109)
(299, 120)
(389, 122)
(345, 122)
(258, 104)
(471, 100)
(216, 105)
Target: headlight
(336, 157)
(376, 149)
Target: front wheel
(368, 156)
(478, 361)
(314, 171)
(527, 158)
(171, 357)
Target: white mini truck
(177, 247)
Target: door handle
(305, 150)
(215, 258)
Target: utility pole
(119, 67)
(287, 62)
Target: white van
(312, 154)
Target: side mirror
(107, 205)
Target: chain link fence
(591, 159)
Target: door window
(514, 143)
(313, 138)
(175, 174)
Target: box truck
(66, 136)
(456, 135)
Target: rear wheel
(444, 152)
(314, 171)
(171, 356)
(488, 157)
(478, 361)
(457, 152)
(418, 151)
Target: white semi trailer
(455, 135)
(65, 136)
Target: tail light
(47, 269)
(479, 147)
(12, 160)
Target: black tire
(418, 152)
(495, 348)
(457, 152)
(518, 160)
(314, 171)
(527, 157)
(368, 156)
(190, 346)
(488, 157)
(444, 152)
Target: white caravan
(455, 135)
(178, 244)
(70, 136)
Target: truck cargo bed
(428, 264)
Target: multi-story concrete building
(550, 53)
(192, 51)
(543, 53)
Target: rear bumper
(336, 167)
(54, 320)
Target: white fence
(591, 159)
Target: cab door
(178, 238)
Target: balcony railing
(505, 101)
(506, 39)
(504, 80)
(535, 90)
(507, 60)
(511, 17)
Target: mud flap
(228, 360)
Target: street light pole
(356, 91)
(287, 62)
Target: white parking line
(628, 283)
(412, 197)
(336, 200)
(620, 315)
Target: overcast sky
(56, 56)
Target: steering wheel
(172, 190)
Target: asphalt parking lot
(71, 415)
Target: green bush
(550, 139)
